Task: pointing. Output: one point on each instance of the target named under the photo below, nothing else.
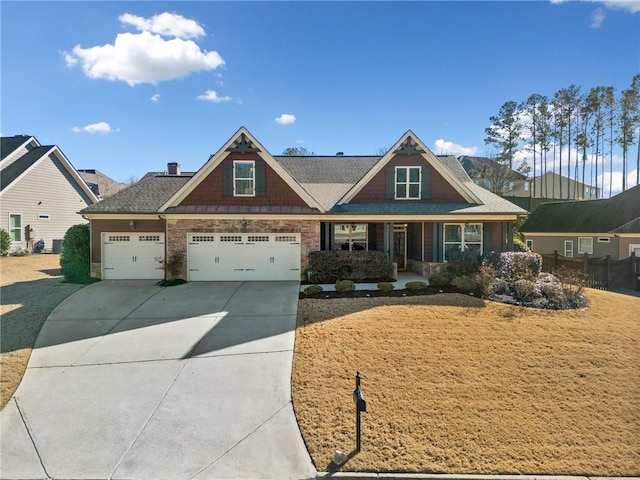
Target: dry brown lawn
(454, 384)
(30, 288)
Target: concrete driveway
(129, 380)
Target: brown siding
(100, 226)
(210, 190)
(309, 230)
(441, 190)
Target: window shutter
(260, 178)
(426, 183)
(227, 177)
(390, 193)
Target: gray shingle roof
(146, 196)
(326, 179)
(9, 144)
(104, 186)
(588, 216)
(17, 168)
(337, 169)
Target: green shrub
(329, 266)
(5, 242)
(465, 283)
(386, 286)
(462, 264)
(416, 286)
(520, 246)
(75, 261)
(441, 279)
(344, 286)
(313, 289)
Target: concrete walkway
(129, 380)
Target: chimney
(173, 168)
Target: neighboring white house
(40, 192)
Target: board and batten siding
(47, 189)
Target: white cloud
(146, 57)
(168, 24)
(442, 147)
(597, 17)
(285, 119)
(616, 182)
(212, 96)
(155, 97)
(100, 127)
(632, 6)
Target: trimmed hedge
(344, 286)
(329, 266)
(75, 262)
(313, 289)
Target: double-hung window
(462, 237)
(585, 245)
(407, 183)
(244, 178)
(15, 227)
(568, 248)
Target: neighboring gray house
(553, 186)
(594, 227)
(40, 192)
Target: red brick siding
(441, 190)
(309, 230)
(210, 190)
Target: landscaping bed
(456, 384)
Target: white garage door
(132, 256)
(244, 257)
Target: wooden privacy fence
(602, 273)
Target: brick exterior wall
(178, 229)
(210, 190)
(375, 190)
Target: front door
(400, 246)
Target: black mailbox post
(361, 406)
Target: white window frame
(529, 244)
(463, 242)
(580, 250)
(568, 252)
(12, 230)
(351, 230)
(252, 179)
(632, 247)
(407, 183)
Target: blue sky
(125, 87)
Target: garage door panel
(132, 256)
(243, 257)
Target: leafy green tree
(297, 152)
(505, 132)
(5, 242)
(75, 261)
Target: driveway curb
(449, 476)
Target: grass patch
(458, 385)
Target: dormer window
(407, 183)
(244, 178)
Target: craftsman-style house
(249, 215)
